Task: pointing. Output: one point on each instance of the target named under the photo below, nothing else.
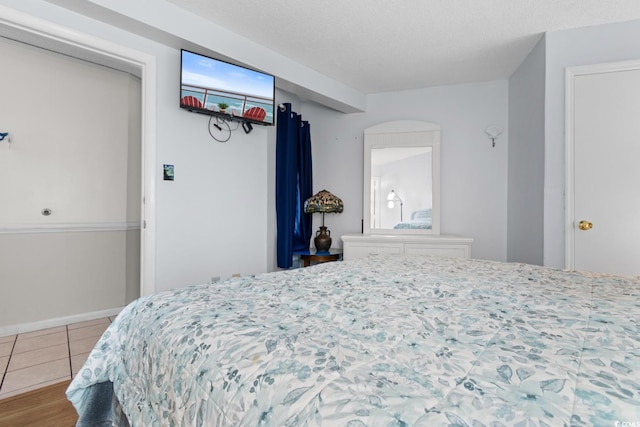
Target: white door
(603, 155)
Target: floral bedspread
(384, 341)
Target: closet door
(603, 174)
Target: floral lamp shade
(323, 202)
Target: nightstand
(313, 256)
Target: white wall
(213, 219)
(217, 217)
(63, 274)
(590, 45)
(59, 110)
(526, 160)
(176, 27)
(71, 123)
(474, 175)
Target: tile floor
(36, 359)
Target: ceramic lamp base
(323, 239)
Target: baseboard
(58, 321)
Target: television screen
(218, 88)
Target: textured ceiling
(387, 45)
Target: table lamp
(323, 202)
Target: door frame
(569, 189)
(34, 30)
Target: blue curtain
(302, 232)
(293, 185)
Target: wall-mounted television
(218, 88)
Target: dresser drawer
(362, 245)
(457, 250)
(361, 250)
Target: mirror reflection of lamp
(393, 197)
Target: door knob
(585, 225)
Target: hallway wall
(75, 149)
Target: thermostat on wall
(168, 172)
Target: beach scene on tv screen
(226, 88)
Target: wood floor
(43, 407)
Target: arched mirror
(402, 178)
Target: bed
(420, 220)
(380, 341)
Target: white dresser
(361, 245)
